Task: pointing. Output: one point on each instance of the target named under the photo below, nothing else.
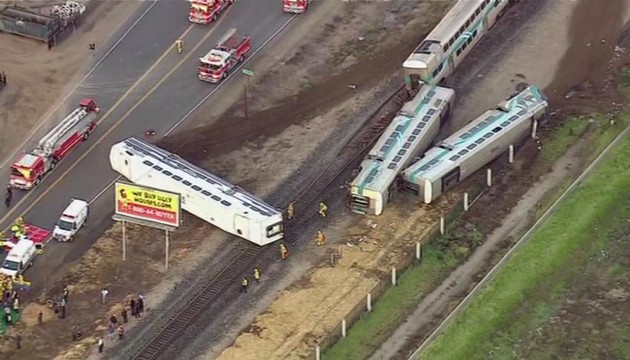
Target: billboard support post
(124, 240)
(167, 246)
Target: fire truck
(31, 167)
(206, 11)
(296, 6)
(231, 50)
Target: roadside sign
(248, 72)
(147, 204)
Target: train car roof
(166, 164)
(443, 32)
(385, 160)
(464, 142)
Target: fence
(434, 232)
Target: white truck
(73, 218)
(20, 258)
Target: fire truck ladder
(225, 37)
(47, 144)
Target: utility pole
(248, 75)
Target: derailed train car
(475, 145)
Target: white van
(20, 258)
(72, 219)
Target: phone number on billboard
(153, 213)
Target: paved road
(142, 84)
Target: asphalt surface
(134, 94)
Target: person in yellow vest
(257, 274)
(320, 240)
(291, 211)
(284, 252)
(323, 209)
(179, 44)
(17, 234)
(244, 284)
(20, 222)
(3, 239)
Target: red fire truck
(206, 11)
(296, 6)
(231, 50)
(31, 167)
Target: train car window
(186, 182)
(416, 132)
(426, 118)
(477, 12)
(369, 179)
(177, 178)
(497, 129)
(407, 145)
(488, 135)
(468, 23)
(158, 168)
(454, 158)
(434, 161)
(425, 167)
(471, 146)
(397, 158)
(513, 118)
(206, 193)
(451, 178)
(402, 152)
(147, 162)
(474, 33)
(400, 128)
(167, 173)
(505, 123)
(431, 111)
(391, 166)
(195, 187)
(412, 138)
(446, 46)
(223, 202)
(479, 141)
(463, 152)
(422, 125)
(435, 73)
(274, 230)
(215, 198)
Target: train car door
(450, 179)
(241, 225)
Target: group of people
(116, 327)
(18, 231)
(11, 305)
(320, 238)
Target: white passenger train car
(450, 41)
(410, 133)
(204, 195)
(475, 145)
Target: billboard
(147, 204)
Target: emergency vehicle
(71, 221)
(231, 50)
(206, 11)
(296, 6)
(31, 167)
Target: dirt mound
(586, 77)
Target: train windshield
(275, 230)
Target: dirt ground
(572, 90)
(37, 78)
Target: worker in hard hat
(179, 44)
(17, 234)
(320, 239)
(323, 209)
(284, 252)
(3, 239)
(20, 222)
(291, 211)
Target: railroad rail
(248, 253)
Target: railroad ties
(249, 253)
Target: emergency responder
(284, 252)
(290, 211)
(244, 284)
(3, 239)
(257, 274)
(323, 209)
(179, 44)
(17, 234)
(20, 222)
(8, 197)
(93, 49)
(320, 240)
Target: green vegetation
(496, 320)
(393, 306)
(448, 252)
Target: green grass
(393, 306)
(582, 222)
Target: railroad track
(248, 253)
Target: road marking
(51, 112)
(120, 121)
(185, 117)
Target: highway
(143, 83)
